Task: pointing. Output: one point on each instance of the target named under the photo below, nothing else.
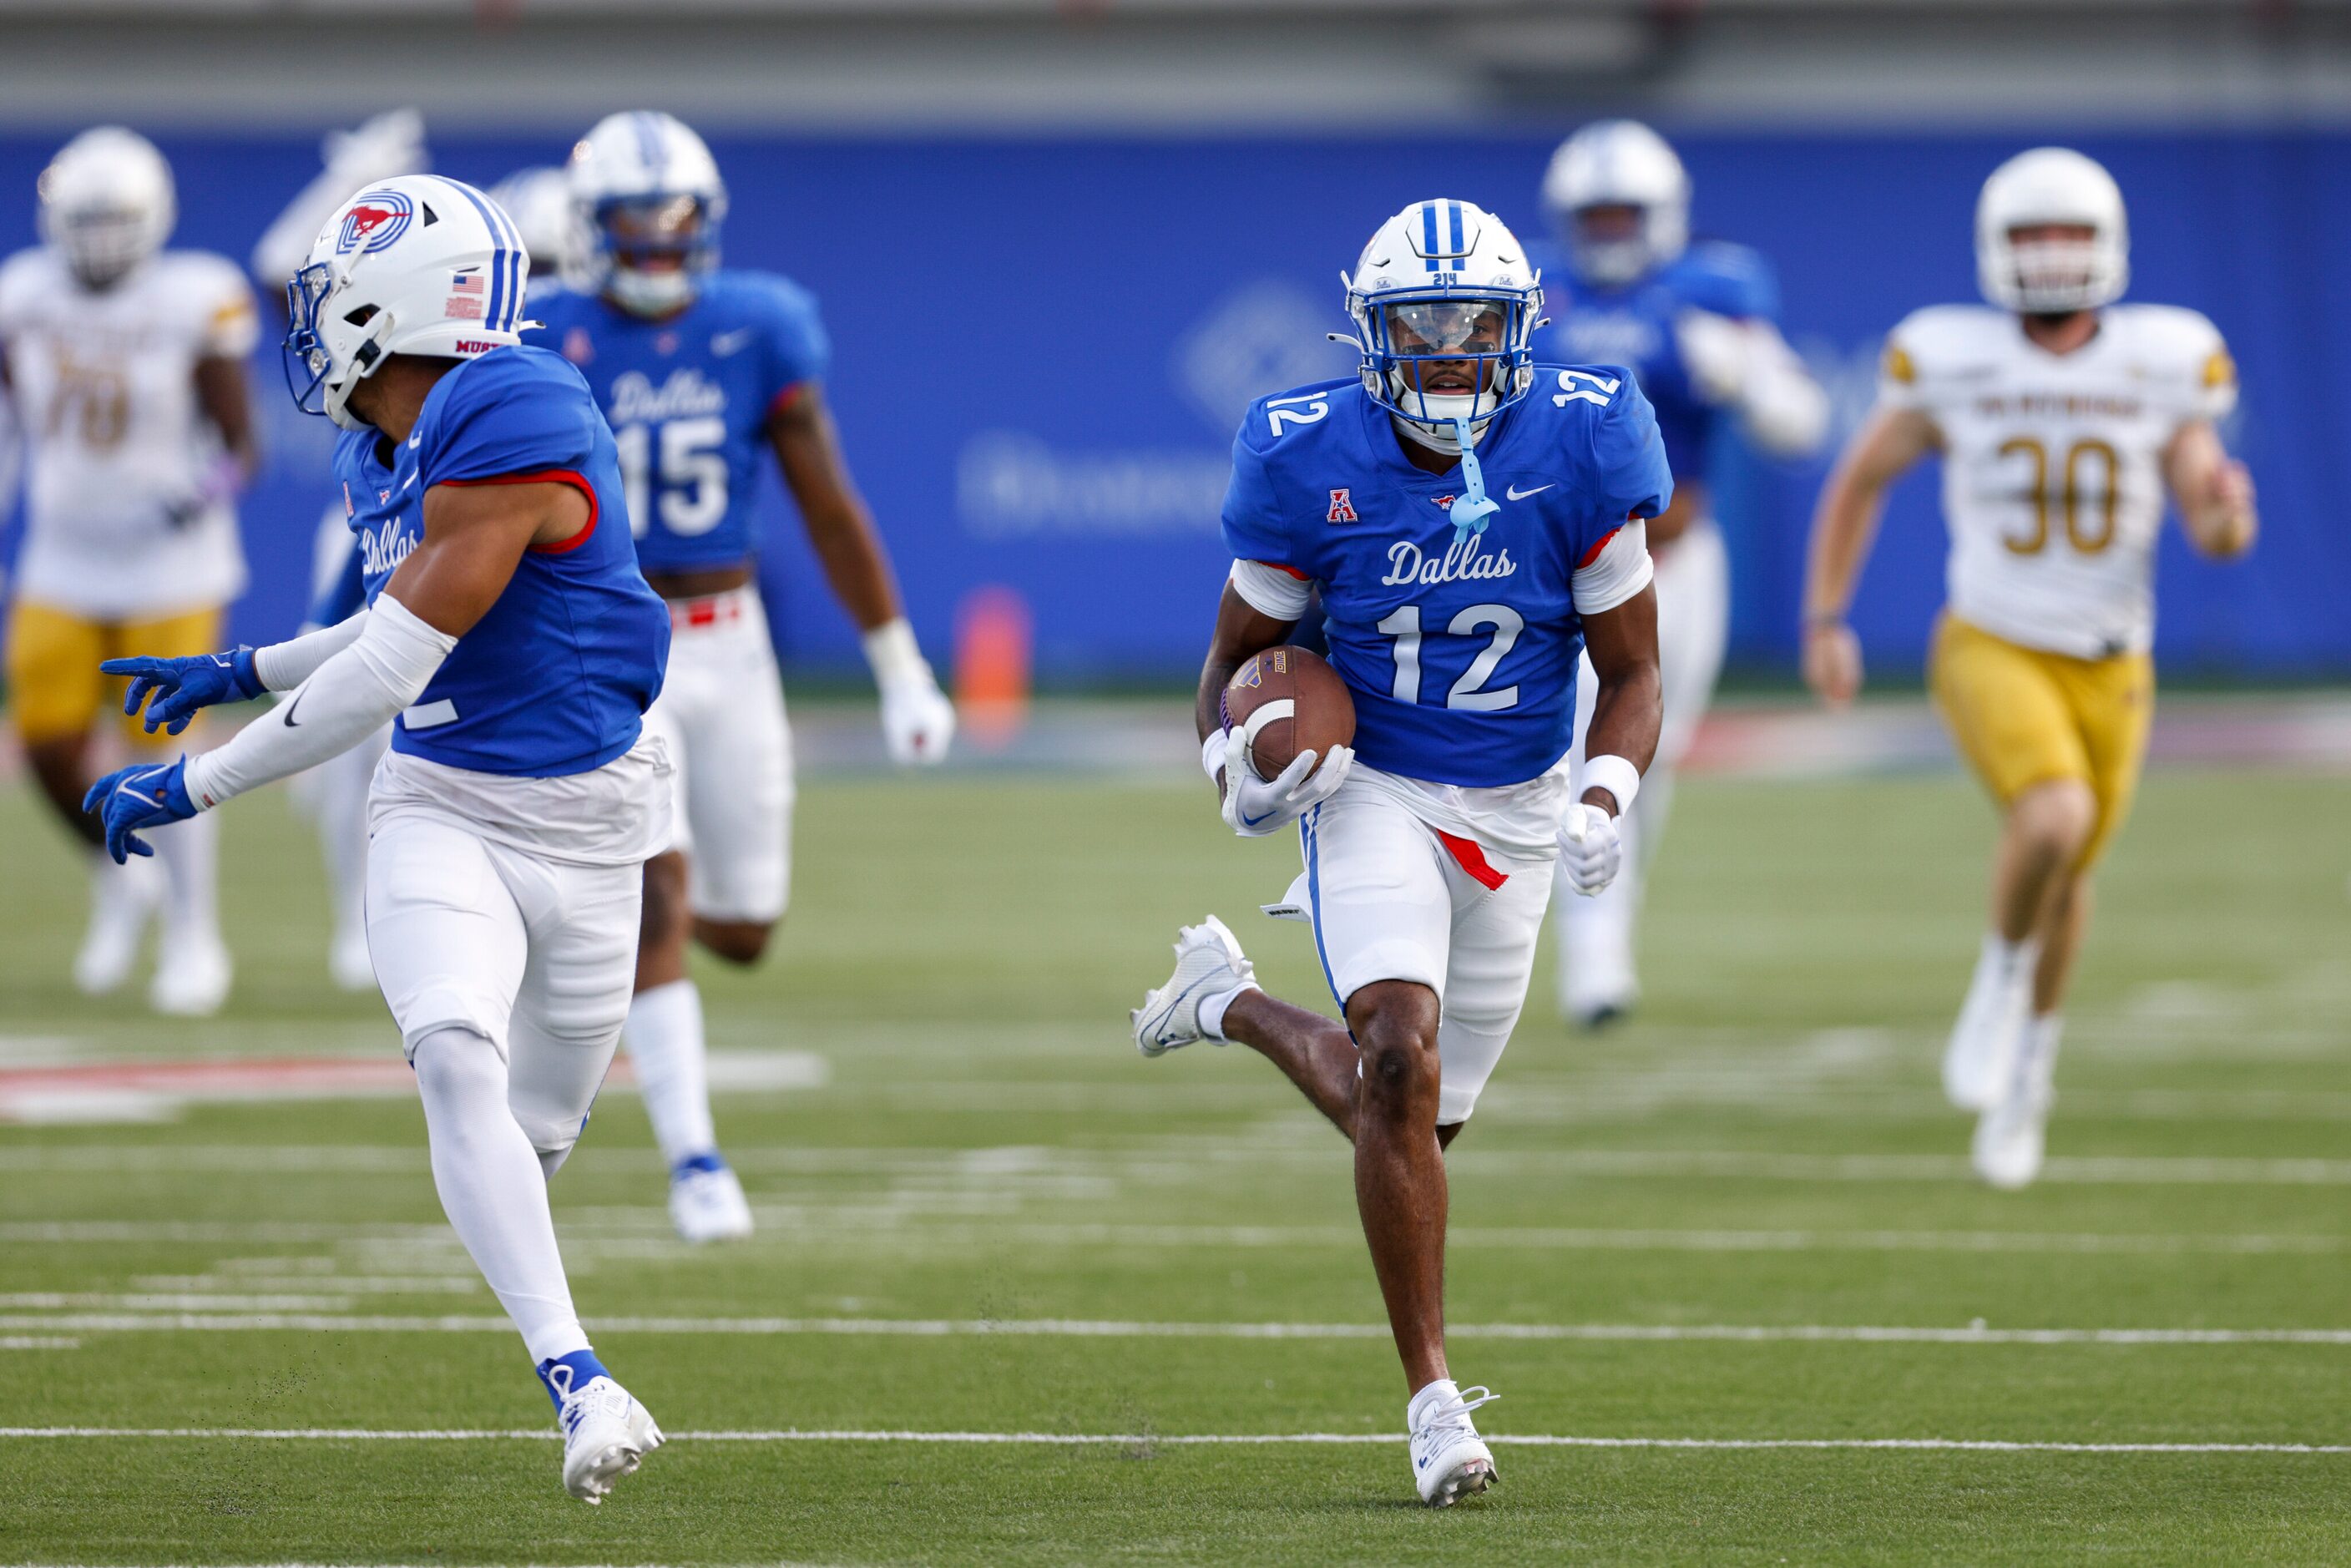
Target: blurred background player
(334, 793)
(699, 370)
(513, 646)
(2061, 417)
(1491, 513)
(1695, 322)
(127, 361)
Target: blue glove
(181, 686)
(144, 797)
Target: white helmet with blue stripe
(417, 265)
(1445, 305)
(649, 198)
(1620, 198)
(538, 199)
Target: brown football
(1284, 701)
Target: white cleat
(1208, 963)
(1982, 1056)
(605, 1434)
(710, 1206)
(191, 978)
(348, 961)
(122, 897)
(2012, 1135)
(1449, 1460)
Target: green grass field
(1668, 1234)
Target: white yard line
(1094, 1328)
(1165, 1439)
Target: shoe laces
(601, 1397)
(1453, 1415)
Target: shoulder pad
(1943, 340)
(2177, 345)
(1292, 420)
(21, 273)
(1727, 279)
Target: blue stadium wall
(1041, 346)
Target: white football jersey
(117, 443)
(2052, 464)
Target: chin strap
(1471, 508)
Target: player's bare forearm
(1630, 705)
(474, 537)
(1845, 523)
(221, 393)
(2214, 491)
(1688, 504)
(1242, 629)
(840, 527)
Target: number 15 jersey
(1459, 648)
(688, 398)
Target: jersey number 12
(1466, 695)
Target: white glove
(1589, 849)
(1255, 807)
(1716, 350)
(917, 721)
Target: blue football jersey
(688, 399)
(557, 677)
(1633, 325)
(1459, 653)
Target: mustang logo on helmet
(374, 221)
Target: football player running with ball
(1474, 521)
(1695, 323)
(701, 371)
(511, 643)
(2062, 417)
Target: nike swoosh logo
(1515, 494)
(1248, 820)
(726, 343)
(291, 722)
(405, 483)
(417, 439)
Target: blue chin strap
(1471, 508)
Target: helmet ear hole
(361, 316)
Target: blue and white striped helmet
(416, 265)
(650, 201)
(1444, 285)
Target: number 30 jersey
(2052, 463)
(688, 398)
(1459, 648)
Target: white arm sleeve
(1785, 410)
(1270, 590)
(282, 667)
(352, 695)
(1621, 570)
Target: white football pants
(1391, 900)
(721, 713)
(1597, 969)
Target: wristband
(1212, 753)
(1613, 774)
(896, 657)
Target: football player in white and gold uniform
(2063, 419)
(127, 365)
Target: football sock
(191, 856)
(665, 1041)
(492, 1189)
(583, 1366)
(2007, 962)
(1212, 1010)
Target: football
(1284, 701)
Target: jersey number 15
(691, 475)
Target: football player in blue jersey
(1695, 323)
(702, 373)
(1474, 520)
(510, 641)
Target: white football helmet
(539, 202)
(107, 203)
(650, 201)
(418, 265)
(2050, 276)
(1442, 285)
(1618, 163)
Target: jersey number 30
(1466, 695)
(691, 474)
